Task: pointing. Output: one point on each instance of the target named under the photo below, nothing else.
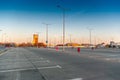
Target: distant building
(72, 44)
(35, 39)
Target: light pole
(90, 31)
(46, 33)
(1, 39)
(63, 10)
(4, 35)
(70, 38)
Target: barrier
(56, 48)
(78, 49)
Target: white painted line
(59, 66)
(107, 59)
(50, 67)
(91, 56)
(41, 58)
(13, 70)
(113, 55)
(48, 61)
(17, 76)
(1, 53)
(42, 61)
(77, 79)
(36, 58)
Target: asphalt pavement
(49, 64)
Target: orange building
(35, 39)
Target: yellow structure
(35, 39)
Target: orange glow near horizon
(24, 38)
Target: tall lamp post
(46, 33)
(70, 38)
(90, 31)
(63, 10)
(1, 39)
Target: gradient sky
(19, 19)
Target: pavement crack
(36, 69)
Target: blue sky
(19, 19)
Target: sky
(20, 19)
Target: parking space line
(91, 56)
(37, 58)
(1, 53)
(17, 76)
(47, 61)
(50, 67)
(13, 70)
(108, 59)
(76, 79)
(113, 55)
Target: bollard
(56, 48)
(78, 49)
(92, 48)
